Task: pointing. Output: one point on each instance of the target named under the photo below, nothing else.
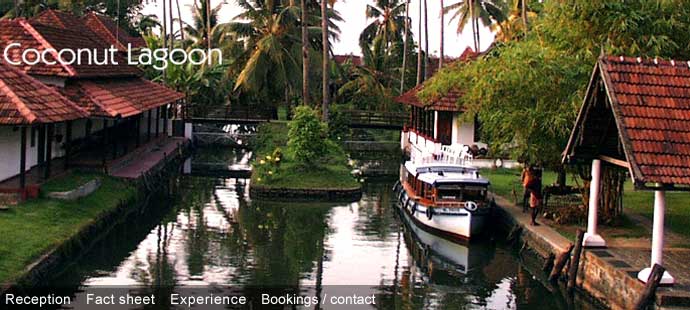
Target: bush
(339, 123)
(307, 136)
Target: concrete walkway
(136, 163)
(614, 269)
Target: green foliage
(527, 92)
(339, 123)
(307, 136)
(330, 171)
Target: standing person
(534, 189)
(526, 179)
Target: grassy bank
(330, 173)
(504, 181)
(35, 227)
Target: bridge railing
(377, 119)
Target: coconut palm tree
(388, 23)
(420, 66)
(204, 26)
(272, 47)
(405, 42)
(426, 40)
(305, 52)
(515, 25)
(440, 60)
(488, 12)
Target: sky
(355, 21)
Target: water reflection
(210, 236)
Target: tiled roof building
(24, 100)
(638, 111)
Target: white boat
(444, 196)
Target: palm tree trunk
(524, 14)
(170, 15)
(440, 60)
(325, 70)
(426, 40)
(305, 55)
(208, 23)
(405, 42)
(16, 8)
(164, 29)
(179, 19)
(419, 55)
(474, 26)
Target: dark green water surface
(208, 236)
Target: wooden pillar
(41, 144)
(49, 150)
(592, 238)
(104, 150)
(158, 121)
(68, 142)
(165, 120)
(148, 127)
(22, 159)
(115, 137)
(126, 134)
(657, 240)
(137, 140)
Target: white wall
(463, 131)
(9, 152)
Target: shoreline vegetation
(276, 167)
(37, 227)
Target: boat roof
(441, 174)
(438, 167)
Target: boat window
(470, 193)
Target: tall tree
(488, 12)
(208, 23)
(426, 41)
(420, 53)
(441, 48)
(179, 19)
(405, 46)
(325, 69)
(305, 53)
(387, 25)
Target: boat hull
(457, 224)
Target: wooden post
(561, 260)
(137, 140)
(104, 151)
(148, 126)
(22, 159)
(115, 136)
(68, 142)
(575, 261)
(548, 264)
(165, 120)
(41, 144)
(49, 150)
(158, 121)
(650, 288)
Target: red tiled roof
(12, 31)
(652, 101)
(41, 37)
(448, 102)
(356, 60)
(110, 32)
(101, 27)
(650, 104)
(120, 97)
(25, 100)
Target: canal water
(206, 236)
